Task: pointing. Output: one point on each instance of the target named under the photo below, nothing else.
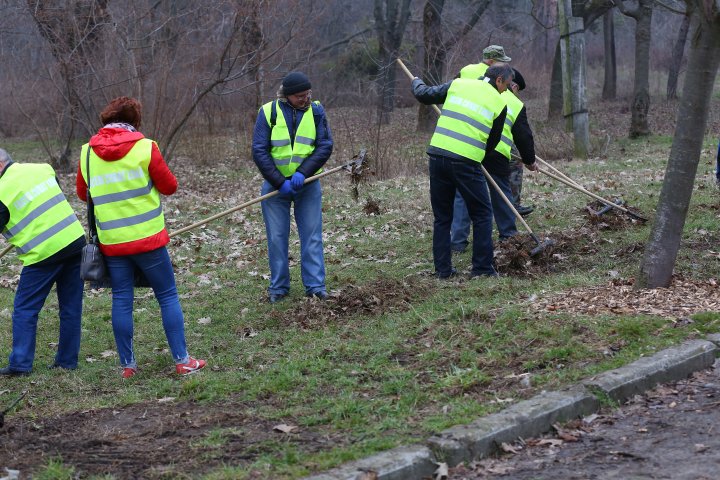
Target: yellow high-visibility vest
(42, 222)
(127, 204)
(467, 117)
(289, 155)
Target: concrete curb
(532, 417)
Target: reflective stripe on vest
(42, 222)
(289, 156)
(473, 71)
(514, 105)
(468, 113)
(127, 205)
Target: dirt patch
(378, 297)
(154, 440)
(683, 298)
(667, 433)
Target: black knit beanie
(295, 82)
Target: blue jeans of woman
(308, 218)
(33, 288)
(446, 177)
(157, 268)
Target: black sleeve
(4, 215)
(523, 138)
(496, 131)
(430, 95)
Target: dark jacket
(437, 94)
(497, 163)
(261, 142)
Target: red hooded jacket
(112, 144)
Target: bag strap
(273, 114)
(92, 231)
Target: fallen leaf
(367, 475)
(204, 320)
(442, 471)
(166, 399)
(285, 428)
(506, 447)
(107, 353)
(700, 447)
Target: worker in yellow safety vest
(469, 127)
(36, 218)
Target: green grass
(378, 379)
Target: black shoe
(523, 210)
(13, 373)
(443, 276)
(320, 295)
(276, 297)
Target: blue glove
(286, 188)
(297, 180)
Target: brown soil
(152, 440)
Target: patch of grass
(55, 470)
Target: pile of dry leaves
(683, 298)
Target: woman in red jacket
(127, 175)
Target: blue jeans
(504, 217)
(308, 218)
(33, 288)
(448, 176)
(157, 268)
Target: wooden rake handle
(589, 193)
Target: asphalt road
(671, 432)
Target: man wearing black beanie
(292, 142)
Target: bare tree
(677, 55)
(73, 31)
(436, 48)
(664, 242)
(610, 84)
(642, 14)
(391, 18)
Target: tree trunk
(677, 56)
(610, 84)
(662, 247)
(641, 94)
(555, 106)
(391, 17)
(433, 60)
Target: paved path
(671, 432)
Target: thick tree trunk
(661, 250)
(433, 60)
(610, 84)
(555, 106)
(641, 94)
(677, 56)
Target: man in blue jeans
(292, 142)
(469, 126)
(36, 218)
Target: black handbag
(92, 262)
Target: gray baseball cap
(495, 52)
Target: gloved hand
(286, 188)
(297, 180)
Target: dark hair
(122, 109)
(499, 70)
